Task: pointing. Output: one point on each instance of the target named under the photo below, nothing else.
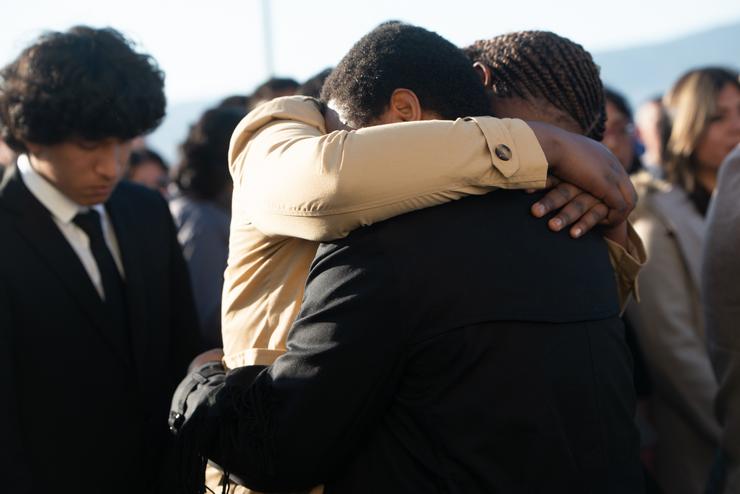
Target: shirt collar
(61, 206)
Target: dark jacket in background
(463, 348)
(80, 413)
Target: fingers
(561, 194)
(584, 210)
(593, 217)
(590, 166)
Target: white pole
(267, 31)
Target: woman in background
(704, 110)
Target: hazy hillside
(640, 72)
(646, 71)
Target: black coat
(78, 412)
(459, 349)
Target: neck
(707, 177)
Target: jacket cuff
(515, 152)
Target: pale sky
(209, 49)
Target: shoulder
(665, 204)
(491, 247)
(133, 190)
(201, 217)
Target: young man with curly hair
(97, 320)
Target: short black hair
(85, 83)
(312, 87)
(397, 55)
(272, 88)
(619, 101)
(203, 171)
(240, 101)
(140, 156)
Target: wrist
(618, 234)
(551, 142)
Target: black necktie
(115, 301)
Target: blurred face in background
(722, 133)
(150, 174)
(704, 110)
(619, 135)
(647, 123)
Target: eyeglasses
(619, 129)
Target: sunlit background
(212, 49)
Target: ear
(404, 106)
(484, 72)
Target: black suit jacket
(459, 349)
(80, 412)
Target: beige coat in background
(669, 325)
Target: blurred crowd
(682, 322)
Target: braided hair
(541, 64)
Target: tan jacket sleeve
(298, 181)
(627, 264)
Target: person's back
(486, 298)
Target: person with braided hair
(544, 76)
(541, 76)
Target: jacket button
(503, 152)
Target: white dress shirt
(63, 210)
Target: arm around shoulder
(293, 179)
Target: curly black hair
(541, 64)
(203, 171)
(85, 83)
(397, 55)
